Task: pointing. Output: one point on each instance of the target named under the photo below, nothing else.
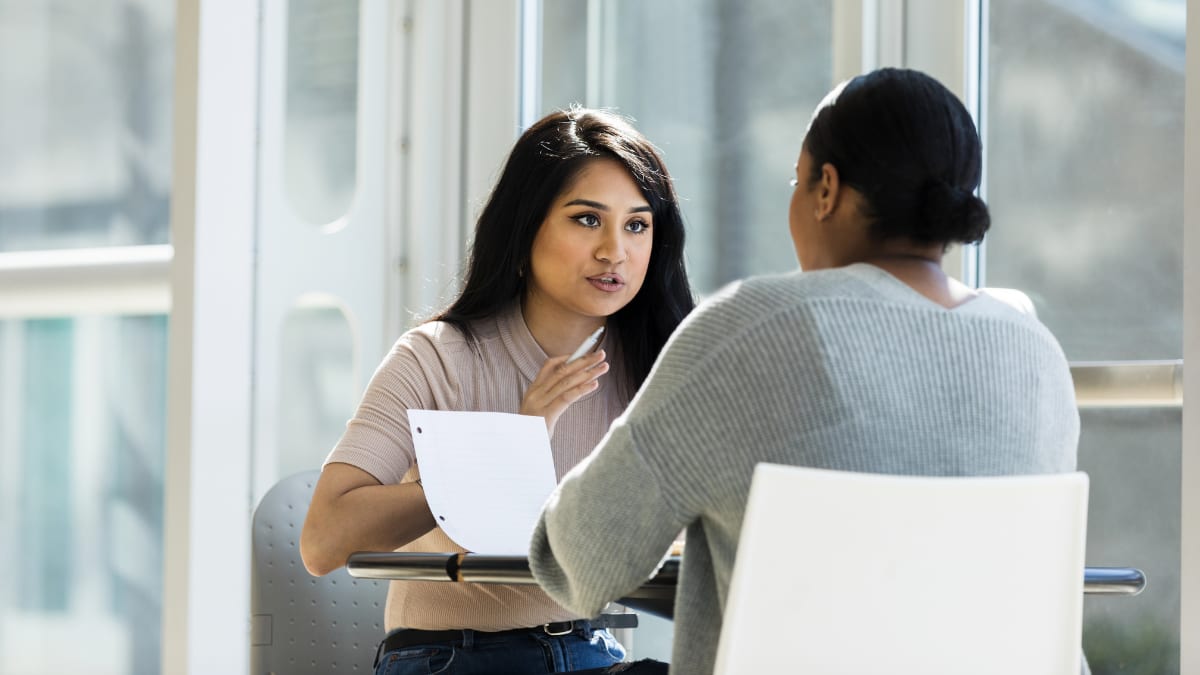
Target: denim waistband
(407, 637)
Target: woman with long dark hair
(583, 231)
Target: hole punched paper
(486, 475)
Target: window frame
(101, 280)
(209, 402)
(1189, 611)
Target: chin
(604, 310)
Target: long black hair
(909, 146)
(544, 161)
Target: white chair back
(300, 623)
(854, 573)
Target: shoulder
(840, 283)
(431, 343)
(744, 312)
(435, 335)
(757, 298)
(1011, 297)
(432, 337)
(447, 338)
(1006, 306)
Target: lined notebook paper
(486, 475)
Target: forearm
(369, 517)
(604, 531)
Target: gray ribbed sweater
(843, 369)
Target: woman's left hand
(559, 384)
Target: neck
(560, 334)
(902, 251)
(910, 268)
(926, 276)
(906, 258)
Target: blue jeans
(530, 652)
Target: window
(83, 411)
(321, 142)
(85, 95)
(679, 70)
(317, 392)
(1084, 116)
(85, 147)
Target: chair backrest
(301, 623)
(841, 572)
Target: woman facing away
(872, 359)
(582, 231)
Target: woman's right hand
(560, 384)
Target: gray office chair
(300, 623)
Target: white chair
(842, 572)
(300, 623)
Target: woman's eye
(637, 226)
(794, 182)
(588, 220)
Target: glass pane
(1085, 170)
(322, 103)
(1085, 184)
(679, 68)
(1132, 458)
(316, 385)
(85, 143)
(83, 408)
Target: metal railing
(499, 569)
(1128, 384)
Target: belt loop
(468, 638)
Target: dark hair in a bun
(910, 147)
(947, 208)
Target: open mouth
(607, 282)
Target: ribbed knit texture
(844, 369)
(433, 367)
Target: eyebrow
(603, 207)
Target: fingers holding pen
(559, 384)
(566, 382)
(584, 373)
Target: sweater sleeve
(611, 522)
(609, 503)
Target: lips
(610, 282)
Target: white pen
(587, 345)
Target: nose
(611, 248)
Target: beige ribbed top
(433, 367)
